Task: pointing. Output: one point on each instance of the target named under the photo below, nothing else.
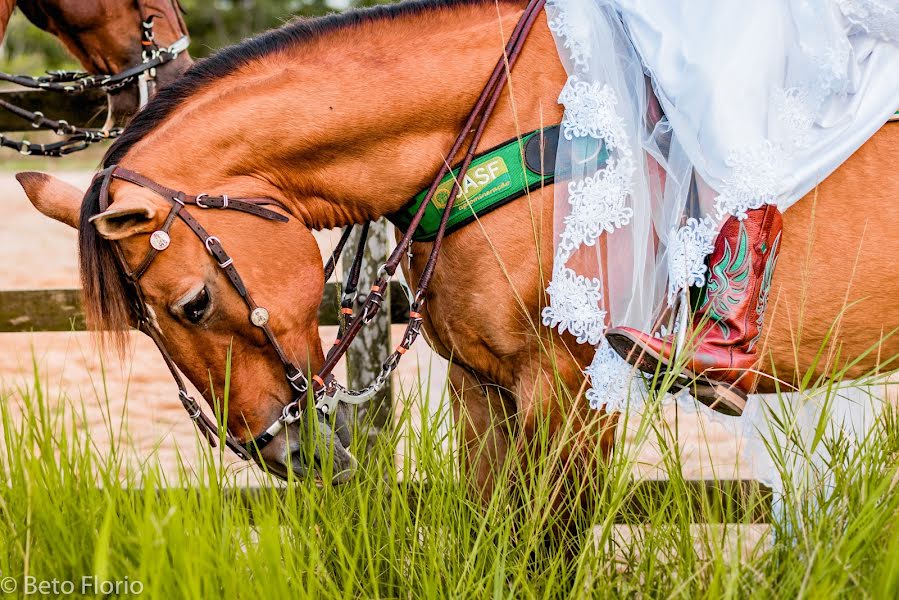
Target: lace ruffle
(574, 306)
(688, 248)
(614, 384)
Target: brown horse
(342, 120)
(105, 36)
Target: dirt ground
(139, 399)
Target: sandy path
(139, 396)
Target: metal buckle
(191, 405)
(291, 413)
(327, 403)
(348, 299)
(209, 240)
(199, 198)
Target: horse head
(109, 37)
(199, 316)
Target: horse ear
(52, 197)
(127, 216)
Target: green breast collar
(494, 178)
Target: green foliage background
(212, 23)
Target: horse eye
(196, 307)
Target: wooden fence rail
(60, 310)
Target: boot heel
(730, 401)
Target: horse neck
(353, 124)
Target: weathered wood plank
(41, 310)
(60, 310)
(722, 501)
(85, 110)
(709, 501)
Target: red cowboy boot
(720, 354)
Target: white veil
(766, 101)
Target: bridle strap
(145, 263)
(253, 206)
(338, 250)
(477, 119)
(213, 245)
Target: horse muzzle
(314, 445)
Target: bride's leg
(720, 356)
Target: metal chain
(328, 398)
(78, 138)
(74, 82)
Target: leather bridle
(323, 389)
(143, 75)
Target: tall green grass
(68, 510)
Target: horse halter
(323, 389)
(142, 74)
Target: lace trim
(590, 111)
(574, 33)
(687, 250)
(755, 172)
(598, 204)
(752, 182)
(575, 306)
(877, 17)
(833, 67)
(615, 384)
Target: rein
(77, 82)
(323, 389)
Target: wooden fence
(724, 501)
(60, 310)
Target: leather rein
(142, 74)
(323, 389)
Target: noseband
(323, 389)
(142, 74)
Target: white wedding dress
(762, 100)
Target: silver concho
(259, 316)
(159, 240)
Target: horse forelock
(106, 297)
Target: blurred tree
(223, 22)
(212, 24)
(27, 49)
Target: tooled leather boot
(720, 353)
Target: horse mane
(229, 59)
(108, 298)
